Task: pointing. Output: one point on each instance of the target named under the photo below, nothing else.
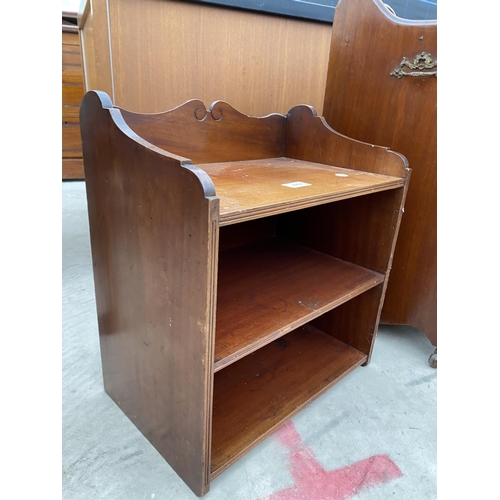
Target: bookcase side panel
(356, 321)
(154, 234)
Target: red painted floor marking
(312, 482)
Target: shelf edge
(251, 214)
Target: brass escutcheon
(422, 61)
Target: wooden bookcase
(235, 286)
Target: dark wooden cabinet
(72, 94)
(373, 96)
(240, 267)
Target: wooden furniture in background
(368, 98)
(151, 55)
(236, 286)
(72, 94)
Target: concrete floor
(370, 437)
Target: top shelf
(260, 188)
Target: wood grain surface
(209, 351)
(362, 231)
(309, 137)
(72, 94)
(219, 133)
(252, 189)
(166, 52)
(155, 276)
(72, 168)
(70, 114)
(255, 395)
(95, 42)
(71, 141)
(269, 288)
(70, 39)
(362, 100)
(249, 170)
(244, 233)
(72, 68)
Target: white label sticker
(341, 175)
(297, 184)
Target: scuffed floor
(371, 437)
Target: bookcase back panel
(244, 233)
(359, 230)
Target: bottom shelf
(255, 395)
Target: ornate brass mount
(421, 61)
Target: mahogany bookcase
(240, 266)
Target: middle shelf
(269, 288)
